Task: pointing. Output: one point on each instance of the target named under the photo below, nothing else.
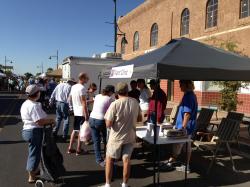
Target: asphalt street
(82, 171)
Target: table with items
(165, 135)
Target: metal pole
(42, 67)
(57, 59)
(155, 135)
(100, 83)
(172, 25)
(115, 28)
(5, 60)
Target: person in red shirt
(161, 104)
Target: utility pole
(115, 28)
(5, 61)
(56, 59)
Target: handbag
(85, 132)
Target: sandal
(70, 151)
(81, 152)
(31, 181)
(32, 178)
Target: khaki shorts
(116, 150)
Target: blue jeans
(62, 113)
(98, 130)
(34, 137)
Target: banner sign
(122, 71)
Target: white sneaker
(124, 185)
(105, 185)
(182, 168)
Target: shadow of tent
(142, 171)
(221, 175)
(165, 152)
(180, 183)
(83, 178)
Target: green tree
(28, 75)
(229, 89)
(49, 70)
(37, 74)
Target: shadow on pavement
(11, 142)
(8, 97)
(83, 178)
(190, 182)
(9, 121)
(221, 173)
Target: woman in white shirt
(144, 97)
(34, 118)
(97, 122)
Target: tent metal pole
(155, 135)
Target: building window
(212, 13)
(154, 35)
(136, 41)
(244, 8)
(123, 46)
(185, 22)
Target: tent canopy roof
(188, 59)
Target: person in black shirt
(134, 92)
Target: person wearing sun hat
(34, 118)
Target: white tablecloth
(143, 133)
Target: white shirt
(77, 91)
(61, 93)
(101, 105)
(31, 112)
(144, 99)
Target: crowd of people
(112, 116)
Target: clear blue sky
(32, 30)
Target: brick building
(153, 23)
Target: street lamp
(5, 63)
(41, 66)
(115, 30)
(55, 56)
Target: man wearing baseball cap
(34, 118)
(121, 117)
(161, 105)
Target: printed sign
(122, 72)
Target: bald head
(83, 78)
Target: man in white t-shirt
(77, 101)
(121, 117)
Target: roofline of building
(91, 60)
(148, 4)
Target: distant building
(73, 65)
(153, 24)
(7, 68)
